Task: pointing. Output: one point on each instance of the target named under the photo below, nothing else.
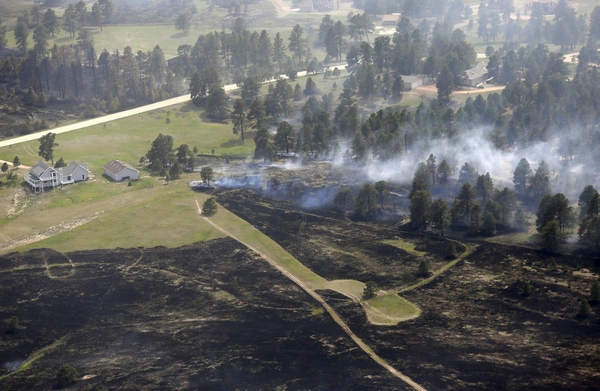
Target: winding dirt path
(366, 348)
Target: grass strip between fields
(38, 354)
(388, 311)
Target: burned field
(477, 330)
(208, 316)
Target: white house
(476, 75)
(120, 171)
(74, 172)
(43, 176)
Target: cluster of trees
(478, 205)
(441, 53)
(453, 10)
(243, 53)
(103, 82)
(163, 156)
(368, 202)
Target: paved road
(123, 114)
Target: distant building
(413, 81)
(476, 75)
(547, 5)
(42, 176)
(120, 171)
(318, 5)
(390, 20)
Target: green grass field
(130, 138)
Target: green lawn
(130, 138)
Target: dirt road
(321, 301)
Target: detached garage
(121, 171)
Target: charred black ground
(209, 316)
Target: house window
(69, 177)
(82, 176)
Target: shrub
(370, 289)
(526, 289)
(424, 268)
(66, 376)
(209, 207)
(13, 325)
(451, 250)
(584, 309)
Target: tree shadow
(233, 143)
(179, 35)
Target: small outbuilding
(121, 171)
(413, 81)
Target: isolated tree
(451, 250)
(595, 23)
(51, 22)
(551, 236)
(438, 215)
(382, 192)
(445, 85)
(467, 174)
(431, 166)
(310, 88)
(161, 152)
(60, 163)
(209, 207)
(520, 219)
(585, 197)
(264, 145)
(285, 136)
(16, 162)
(484, 187)
(4, 167)
(297, 43)
(464, 202)
(343, 198)
(47, 144)
(66, 376)
(217, 105)
(420, 204)
(370, 290)
(207, 174)
(175, 171)
(21, 35)
(424, 268)
(366, 201)
(3, 41)
(488, 225)
(13, 325)
(107, 9)
(521, 176)
(183, 22)
(444, 171)
(183, 153)
(96, 15)
(238, 118)
(256, 114)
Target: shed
(306, 6)
(413, 81)
(390, 20)
(120, 171)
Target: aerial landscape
(299, 195)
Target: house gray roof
(39, 168)
(68, 170)
(477, 71)
(116, 166)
